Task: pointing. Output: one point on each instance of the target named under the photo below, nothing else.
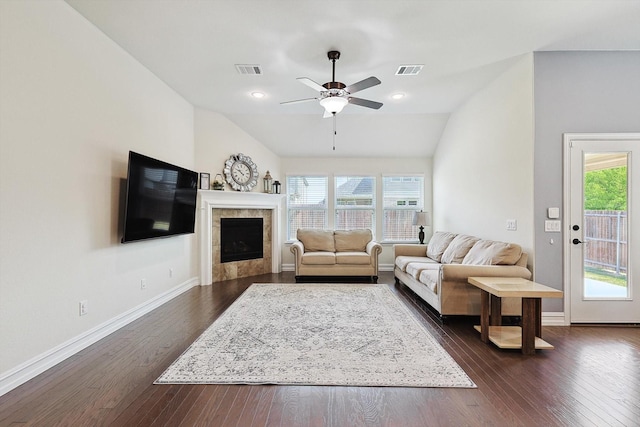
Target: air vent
(250, 69)
(409, 70)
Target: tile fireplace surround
(215, 204)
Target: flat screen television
(160, 199)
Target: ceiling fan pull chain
(334, 132)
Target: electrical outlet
(512, 225)
(143, 284)
(83, 307)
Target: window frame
(371, 208)
(420, 204)
(290, 208)
(331, 209)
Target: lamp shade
(334, 104)
(421, 218)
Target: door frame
(566, 201)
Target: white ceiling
(193, 46)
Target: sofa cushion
(359, 258)
(402, 261)
(316, 240)
(352, 240)
(415, 268)
(430, 278)
(458, 249)
(438, 244)
(488, 252)
(319, 258)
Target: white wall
(360, 166)
(217, 138)
(483, 165)
(72, 105)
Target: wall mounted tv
(160, 199)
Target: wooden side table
(527, 337)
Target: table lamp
(421, 219)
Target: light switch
(553, 213)
(512, 225)
(552, 226)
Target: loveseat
(336, 253)
(438, 272)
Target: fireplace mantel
(211, 199)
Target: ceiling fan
(335, 95)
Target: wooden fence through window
(605, 236)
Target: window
(402, 197)
(355, 202)
(306, 203)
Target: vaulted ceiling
(194, 45)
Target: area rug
(317, 334)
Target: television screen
(160, 199)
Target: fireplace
(241, 239)
(216, 205)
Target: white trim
(554, 319)
(37, 365)
(386, 267)
(568, 139)
(288, 267)
(236, 200)
(566, 220)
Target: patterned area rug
(317, 334)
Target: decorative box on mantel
(208, 200)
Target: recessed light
(257, 95)
(397, 96)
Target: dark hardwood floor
(591, 378)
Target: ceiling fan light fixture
(334, 104)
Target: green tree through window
(606, 189)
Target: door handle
(577, 241)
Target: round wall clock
(240, 172)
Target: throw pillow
(458, 249)
(488, 252)
(352, 240)
(438, 244)
(316, 240)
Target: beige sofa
(336, 253)
(438, 272)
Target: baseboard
(37, 365)
(553, 319)
(288, 267)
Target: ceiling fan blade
(298, 100)
(365, 103)
(313, 85)
(363, 84)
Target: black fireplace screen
(240, 239)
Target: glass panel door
(605, 225)
(601, 240)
